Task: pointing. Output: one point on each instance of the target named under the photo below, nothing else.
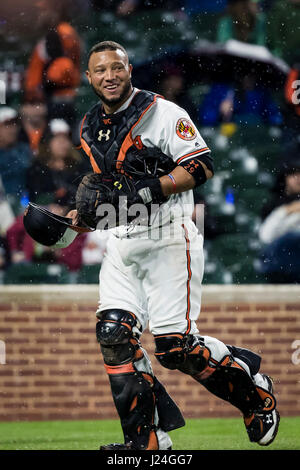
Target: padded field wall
(51, 367)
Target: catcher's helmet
(50, 229)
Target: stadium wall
(51, 368)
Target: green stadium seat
(205, 25)
(232, 248)
(89, 274)
(244, 272)
(37, 273)
(216, 273)
(253, 199)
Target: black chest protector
(105, 136)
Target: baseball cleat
(262, 426)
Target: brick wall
(53, 368)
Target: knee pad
(184, 352)
(114, 333)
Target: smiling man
(109, 74)
(151, 275)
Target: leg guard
(251, 359)
(232, 383)
(210, 362)
(141, 401)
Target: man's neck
(114, 108)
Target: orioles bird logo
(185, 129)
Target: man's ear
(87, 73)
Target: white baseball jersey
(158, 277)
(168, 127)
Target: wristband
(173, 181)
(149, 189)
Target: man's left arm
(183, 178)
(180, 179)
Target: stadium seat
(205, 25)
(89, 274)
(37, 273)
(216, 273)
(245, 272)
(231, 248)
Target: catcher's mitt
(147, 161)
(114, 194)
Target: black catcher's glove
(147, 161)
(98, 189)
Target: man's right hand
(73, 214)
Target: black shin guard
(135, 403)
(169, 414)
(141, 401)
(231, 382)
(136, 395)
(226, 379)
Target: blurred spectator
(7, 216)
(53, 175)
(71, 256)
(23, 249)
(244, 22)
(6, 220)
(94, 247)
(21, 245)
(250, 104)
(172, 87)
(280, 228)
(291, 109)
(15, 156)
(292, 88)
(33, 124)
(53, 72)
(283, 31)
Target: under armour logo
(104, 134)
(269, 419)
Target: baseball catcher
(146, 152)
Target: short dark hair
(106, 46)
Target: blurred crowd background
(234, 65)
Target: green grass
(198, 434)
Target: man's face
(292, 183)
(109, 74)
(8, 133)
(34, 114)
(60, 146)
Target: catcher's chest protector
(106, 138)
